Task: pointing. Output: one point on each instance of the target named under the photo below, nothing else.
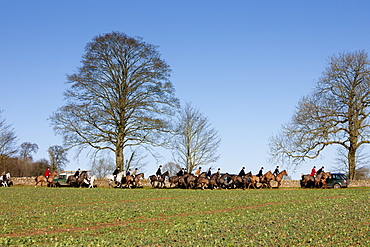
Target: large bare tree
(195, 142)
(336, 112)
(120, 97)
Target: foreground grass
(172, 217)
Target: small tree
(195, 142)
(58, 157)
(102, 166)
(8, 141)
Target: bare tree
(172, 168)
(120, 97)
(26, 150)
(8, 141)
(336, 112)
(102, 166)
(58, 157)
(362, 162)
(195, 142)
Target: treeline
(23, 168)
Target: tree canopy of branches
(8, 141)
(58, 157)
(120, 97)
(195, 142)
(26, 150)
(336, 112)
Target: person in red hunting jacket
(313, 171)
(47, 173)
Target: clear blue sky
(243, 64)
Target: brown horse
(225, 181)
(213, 181)
(128, 181)
(246, 179)
(237, 181)
(307, 179)
(266, 179)
(137, 182)
(174, 180)
(160, 181)
(321, 178)
(41, 179)
(183, 180)
(254, 180)
(278, 178)
(202, 181)
(72, 181)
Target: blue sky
(243, 64)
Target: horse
(110, 179)
(278, 178)
(137, 182)
(253, 181)
(202, 181)
(4, 180)
(183, 180)
(237, 181)
(91, 183)
(41, 179)
(212, 183)
(321, 178)
(72, 181)
(266, 179)
(225, 181)
(307, 179)
(174, 180)
(191, 181)
(128, 181)
(160, 180)
(246, 179)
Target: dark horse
(160, 181)
(72, 181)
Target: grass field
(174, 217)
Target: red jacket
(47, 173)
(313, 172)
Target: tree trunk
(119, 158)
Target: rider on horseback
(47, 173)
(313, 171)
(209, 173)
(115, 173)
(77, 173)
(181, 172)
(242, 172)
(159, 172)
(134, 173)
(276, 172)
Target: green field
(175, 217)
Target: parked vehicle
(337, 180)
(61, 180)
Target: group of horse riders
(204, 178)
(316, 178)
(128, 172)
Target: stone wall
(30, 181)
